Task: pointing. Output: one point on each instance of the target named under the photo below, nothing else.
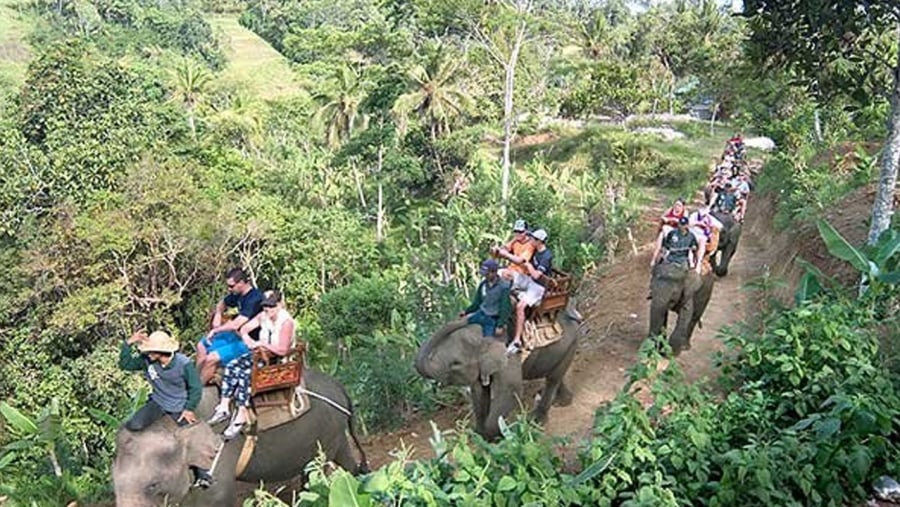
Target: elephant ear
(200, 444)
(493, 359)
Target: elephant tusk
(485, 380)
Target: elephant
(728, 241)
(458, 354)
(151, 467)
(677, 288)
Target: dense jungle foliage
(360, 169)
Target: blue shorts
(227, 344)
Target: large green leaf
(889, 245)
(110, 421)
(6, 459)
(840, 248)
(808, 288)
(18, 420)
(345, 492)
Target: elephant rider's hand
(136, 337)
(188, 416)
(463, 315)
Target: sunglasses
(230, 285)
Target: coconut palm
(339, 113)
(191, 82)
(436, 93)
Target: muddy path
(614, 303)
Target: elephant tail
(363, 466)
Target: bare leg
(520, 321)
(208, 368)
(201, 354)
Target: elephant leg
(504, 402)
(343, 456)
(681, 334)
(701, 301)
(564, 396)
(552, 386)
(481, 405)
(659, 315)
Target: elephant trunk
(424, 364)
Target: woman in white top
(276, 334)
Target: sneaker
(202, 479)
(220, 416)
(233, 430)
(513, 348)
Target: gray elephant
(728, 241)
(684, 291)
(458, 354)
(152, 466)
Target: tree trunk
(883, 207)
(191, 123)
(359, 189)
(508, 92)
(817, 125)
(379, 217)
(712, 119)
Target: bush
(361, 308)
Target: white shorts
(526, 289)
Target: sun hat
(489, 266)
(158, 341)
(540, 235)
(520, 226)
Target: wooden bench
(271, 373)
(556, 295)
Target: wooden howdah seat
(556, 296)
(271, 373)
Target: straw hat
(158, 341)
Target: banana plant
(876, 265)
(44, 431)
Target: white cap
(540, 235)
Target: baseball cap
(520, 226)
(540, 235)
(488, 266)
(683, 221)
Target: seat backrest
(271, 373)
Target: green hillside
(14, 51)
(252, 63)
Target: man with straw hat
(176, 384)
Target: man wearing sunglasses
(223, 343)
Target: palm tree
(191, 81)
(436, 94)
(339, 112)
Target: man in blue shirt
(223, 343)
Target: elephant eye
(455, 364)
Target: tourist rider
(679, 246)
(530, 288)
(176, 387)
(702, 224)
(223, 344)
(491, 306)
(276, 335)
(669, 219)
(730, 201)
(519, 250)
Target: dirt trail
(616, 309)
